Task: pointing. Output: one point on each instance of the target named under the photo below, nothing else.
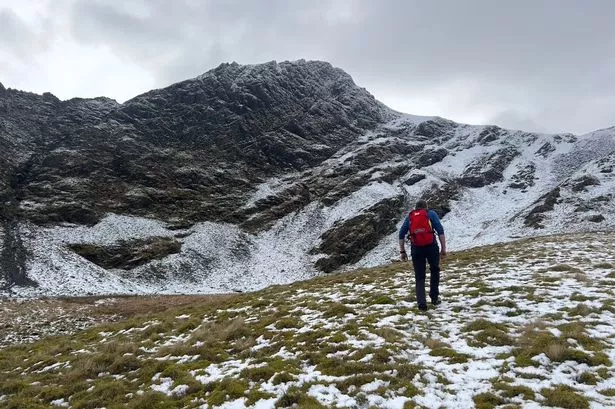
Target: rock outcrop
(252, 175)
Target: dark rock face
(488, 169)
(439, 197)
(413, 179)
(430, 157)
(349, 241)
(267, 211)
(13, 256)
(128, 255)
(581, 184)
(524, 178)
(545, 150)
(596, 218)
(188, 152)
(489, 134)
(536, 215)
(435, 130)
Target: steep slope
(255, 175)
(519, 328)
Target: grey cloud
(15, 36)
(531, 63)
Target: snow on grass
(515, 327)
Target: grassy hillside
(524, 324)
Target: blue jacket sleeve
(435, 222)
(403, 232)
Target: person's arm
(437, 226)
(403, 231)
(442, 244)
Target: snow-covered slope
(324, 187)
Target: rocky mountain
(254, 175)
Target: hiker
(421, 227)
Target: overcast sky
(539, 65)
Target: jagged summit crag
(252, 175)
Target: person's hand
(443, 255)
(403, 255)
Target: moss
(607, 392)
(563, 396)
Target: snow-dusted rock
(265, 174)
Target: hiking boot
(437, 301)
(423, 307)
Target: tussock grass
(588, 378)
(295, 397)
(511, 391)
(493, 336)
(337, 310)
(564, 268)
(564, 397)
(604, 265)
(487, 400)
(483, 324)
(580, 310)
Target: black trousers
(420, 257)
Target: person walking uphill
(421, 227)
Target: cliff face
(253, 175)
